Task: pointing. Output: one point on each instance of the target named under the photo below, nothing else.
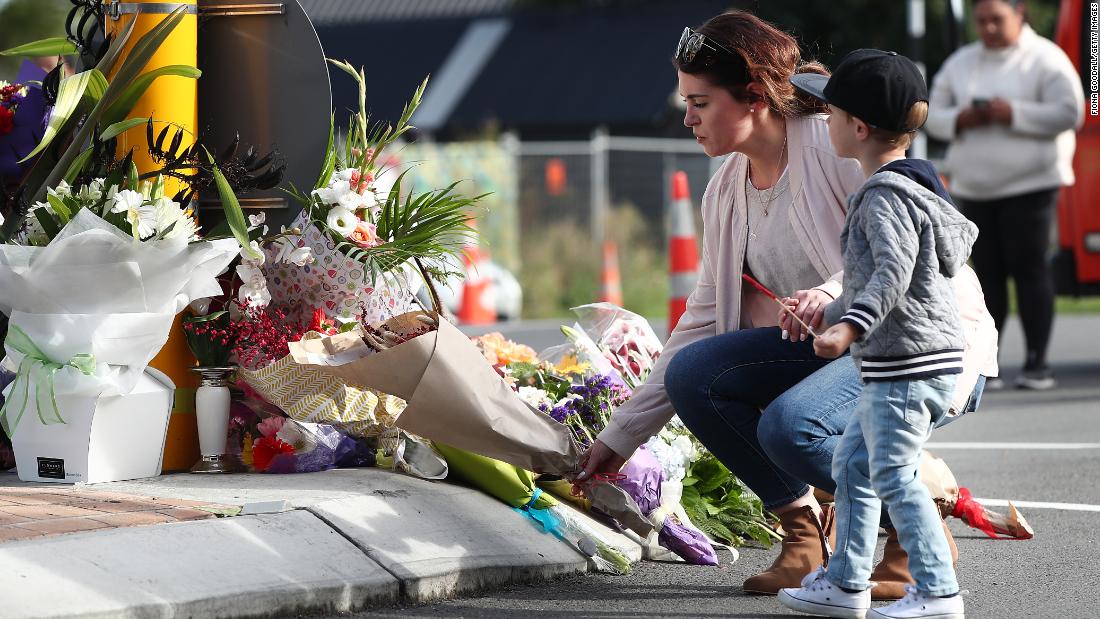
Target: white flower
(342, 220)
(126, 200)
(257, 220)
(534, 396)
(91, 192)
(332, 193)
(62, 190)
(252, 255)
(253, 291)
(169, 214)
(346, 174)
(567, 399)
(684, 445)
(139, 214)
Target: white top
(768, 255)
(1048, 106)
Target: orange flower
(365, 235)
(501, 351)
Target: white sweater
(1048, 106)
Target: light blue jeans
(877, 463)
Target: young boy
(902, 241)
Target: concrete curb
(352, 539)
(235, 567)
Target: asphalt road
(1030, 447)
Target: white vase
(212, 416)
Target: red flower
(266, 448)
(321, 323)
(6, 120)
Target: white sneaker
(820, 597)
(916, 605)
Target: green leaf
(59, 207)
(121, 127)
(135, 61)
(234, 216)
(49, 224)
(69, 95)
(77, 165)
(54, 46)
(122, 104)
(329, 164)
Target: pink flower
(365, 235)
(271, 426)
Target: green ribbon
(38, 369)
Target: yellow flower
(569, 365)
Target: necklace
(775, 186)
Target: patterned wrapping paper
(307, 394)
(335, 283)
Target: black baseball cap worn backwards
(875, 86)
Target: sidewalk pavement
(253, 545)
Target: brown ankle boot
(805, 547)
(892, 574)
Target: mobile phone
(980, 102)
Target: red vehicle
(1077, 265)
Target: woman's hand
(835, 341)
(599, 459)
(971, 117)
(809, 305)
(1000, 112)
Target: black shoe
(1035, 380)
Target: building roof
(559, 68)
(326, 12)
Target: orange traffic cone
(611, 286)
(476, 307)
(683, 255)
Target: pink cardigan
(820, 185)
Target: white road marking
(1077, 507)
(1055, 446)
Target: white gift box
(107, 438)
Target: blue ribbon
(548, 521)
(39, 369)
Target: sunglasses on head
(692, 42)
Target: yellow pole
(170, 99)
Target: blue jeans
(718, 387)
(877, 463)
(800, 429)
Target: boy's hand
(809, 305)
(835, 341)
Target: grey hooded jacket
(901, 244)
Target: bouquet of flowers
(367, 234)
(268, 442)
(614, 339)
(454, 395)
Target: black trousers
(1014, 240)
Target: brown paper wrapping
(454, 396)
